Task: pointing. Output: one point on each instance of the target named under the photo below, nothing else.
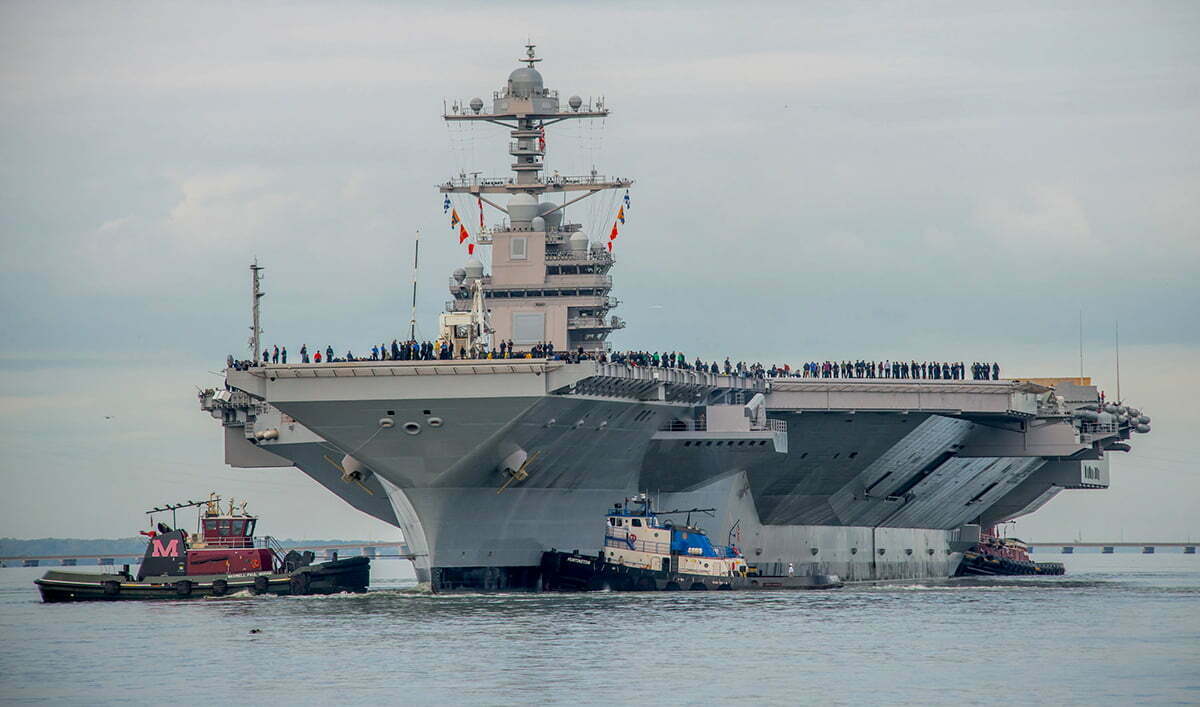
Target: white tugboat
(643, 553)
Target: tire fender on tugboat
(300, 583)
(112, 588)
(183, 588)
(219, 587)
(260, 584)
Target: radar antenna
(530, 59)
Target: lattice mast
(526, 107)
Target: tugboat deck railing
(659, 548)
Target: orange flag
(454, 219)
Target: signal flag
(462, 233)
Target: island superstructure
(486, 463)
(547, 283)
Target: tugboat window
(637, 523)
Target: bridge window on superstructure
(637, 523)
(517, 248)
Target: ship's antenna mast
(412, 322)
(1081, 346)
(1117, 340)
(256, 294)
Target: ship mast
(526, 108)
(412, 323)
(256, 294)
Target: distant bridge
(400, 551)
(1108, 548)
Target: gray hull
(863, 494)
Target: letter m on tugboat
(171, 549)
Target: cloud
(1044, 222)
(231, 206)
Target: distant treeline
(15, 547)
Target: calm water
(1117, 629)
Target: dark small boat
(994, 555)
(222, 557)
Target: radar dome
(524, 82)
(597, 246)
(554, 220)
(575, 102)
(578, 243)
(522, 208)
(459, 275)
(538, 224)
(476, 104)
(474, 269)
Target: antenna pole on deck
(256, 294)
(412, 322)
(1117, 340)
(1081, 345)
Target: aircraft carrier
(484, 463)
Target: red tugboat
(994, 555)
(221, 557)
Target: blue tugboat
(643, 553)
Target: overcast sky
(812, 180)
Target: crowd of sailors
(413, 350)
(912, 370)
